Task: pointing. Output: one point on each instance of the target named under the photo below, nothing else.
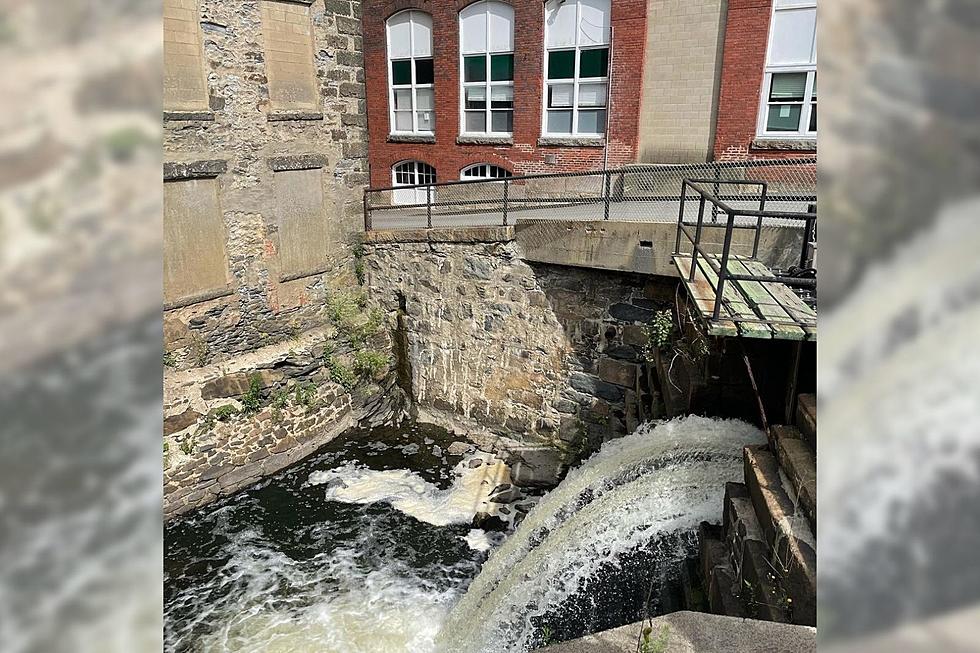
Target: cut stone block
(800, 466)
(806, 418)
(723, 593)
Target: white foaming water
(407, 492)
(663, 479)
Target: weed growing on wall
(199, 351)
(252, 399)
(370, 363)
(169, 360)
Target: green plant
(661, 329)
(222, 413)
(547, 635)
(305, 395)
(279, 401)
(659, 645)
(368, 362)
(252, 399)
(343, 307)
(199, 351)
(341, 374)
(169, 360)
(359, 271)
(123, 143)
(187, 445)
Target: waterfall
(640, 498)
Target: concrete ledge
(411, 138)
(297, 162)
(484, 140)
(785, 144)
(442, 235)
(283, 116)
(202, 115)
(571, 141)
(698, 632)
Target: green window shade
(788, 87)
(401, 72)
(594, 63)
(475, 69)
(501, 67)
(561, 65)
(424, 73)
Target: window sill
(473, 139)
(200, 116)
(183, 170)
(571, 141)
(411, 138)
(206, 296)
(283, 116)
(784, 144)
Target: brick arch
(463, 4)
(408, 5)
(492, 160)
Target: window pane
(426, 174)
(561, 65)
(473, 28)
(559, 18)
(400, 35)
(501, 67)
(560, 95)
(423, 71)
(502, 97)
(403, 121)
(502, 121)
(403, 99)
(592, 122)
(424, 98)
(475, 69)
(476, 121)
(813, 92)
(559, 122)
(792, 40)
(425, 121)
(594, 63)
(476, 97)
(813, 117)
(592, 95)
(594, 23)
(401, 72)
(500, 27)
(788, 86)
(422, 31)
(784, 117)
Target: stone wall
(543, 354)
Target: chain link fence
(635, 193)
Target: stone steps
(786, 531)
(806, 419)
(798, 462)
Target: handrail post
(758, 223)
(723, 270)
(428, 206)
(697, 238)
(680, 216)
(506, 186)
(716, 189)
(808, 236)
(608, 175)
(367, 213)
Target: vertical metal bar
(755, 388)
(715, 189)
(367, 213)
(758, 223)
(793, 381)
(608, 175)
(807, 237)
(428, 206)
(723, 272)
(680, 217)
(697, 239)
(506, 186)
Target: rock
(237, 383)
(536, 467)
(617, 372)
(476, 268)
(174, 423)
(476, 462)
(505, 493)
(538, 299)
(460, 448)
(489, 522)
(630, 313)
(635, 335)
(594, 386)
(624, 352)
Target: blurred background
(81, 337)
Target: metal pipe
(697, 239)
(723, 272)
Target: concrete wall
(681, 75)
(184, 83)
(622, 245)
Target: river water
(367, 547)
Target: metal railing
(755, 218)
(635, 193)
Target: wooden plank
(737, 304)
(766, 304)
(789, 300)
(704, 297)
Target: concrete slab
(698, 632)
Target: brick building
(768, 101)
(482, 89)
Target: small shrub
(369, 362)
(279, 401)
(200, 353)
(252, 399)
(359, 271)
(655, 646)
(223, 413)
(341, 374)
(169, 360)
(187, 445)
(305, 395)
(661, 329)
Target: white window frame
(413, 86)
(488, 177)
(487, 84)
(408, 194)
(576, 80)
(803, 133)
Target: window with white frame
(410, 73)
(412, 173)
(486, 37)
(484, 171)
(577, 37)
(789, 90)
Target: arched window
(483, 171)
(577, 37)
(410, 73)
(486, 35)
(411, 173)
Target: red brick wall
(525, 156)
(743, 69)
